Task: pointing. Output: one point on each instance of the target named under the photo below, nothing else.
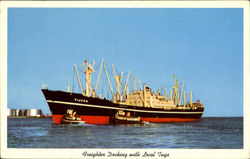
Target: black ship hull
(100, 111)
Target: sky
(202, 47)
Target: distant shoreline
(32, 117)
(222, 117)
(27, 117)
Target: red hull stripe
(89, 119)
(165, 120)
(105, 119)
(57, 118)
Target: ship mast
(118, 82)
(176, 86)
(171, 95)
(191, 98)
(79, 80)
(88, 71)
(140, 84)
(164, 91)
(179, 103)
(94, 92)
(109, 81)
(123, 92)
(184, 98)
(134, 82)
(68, 89)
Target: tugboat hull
(65, 121)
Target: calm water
(207, 133)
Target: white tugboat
(71, 118)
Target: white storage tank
(17, 112)
(8, 112)
(12, 112)
(22, 112)
(34, 112)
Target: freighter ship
(142, 104)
